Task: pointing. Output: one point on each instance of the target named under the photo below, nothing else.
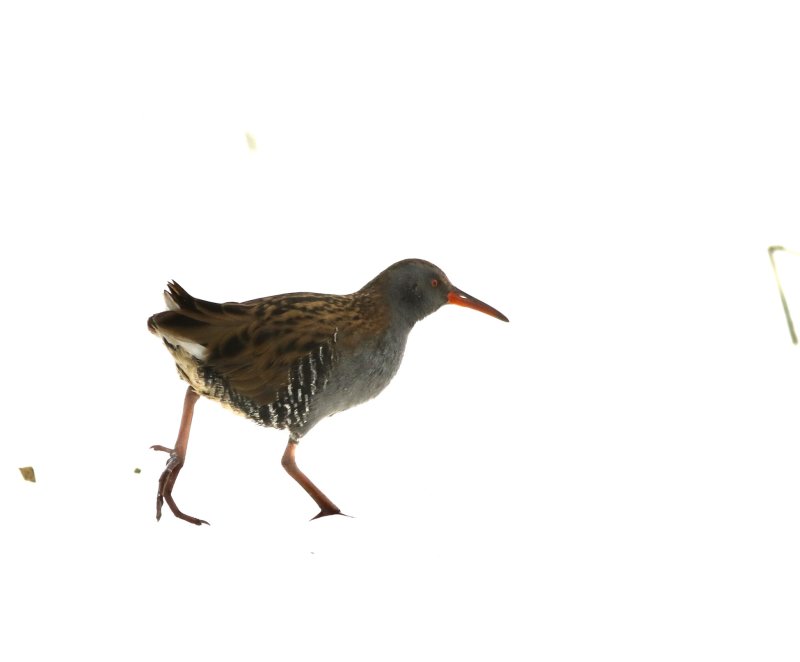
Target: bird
(290, 360)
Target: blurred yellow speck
(27, 474)
(251, 141)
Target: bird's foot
(329, 511)
(165, 484)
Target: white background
(611, 476)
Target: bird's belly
(192, 372)
(355, 377)
(362, 375)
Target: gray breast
(355, 376)
(362, 374)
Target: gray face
(416, 288)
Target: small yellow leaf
(27, 474)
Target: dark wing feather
(251, 348)
(179, 299)
(257, 359)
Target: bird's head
(416, 288)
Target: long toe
(181, 515)
(325, 513)
(165, 485)
(188, 518)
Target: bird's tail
(184, 312)
(194, 323)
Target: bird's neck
(376, 304)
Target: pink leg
(327, 507)
(177, 456)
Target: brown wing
(251, 348)
(257, 360)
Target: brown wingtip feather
(177, 298)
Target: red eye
(434, 282)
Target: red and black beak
(461, 298)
